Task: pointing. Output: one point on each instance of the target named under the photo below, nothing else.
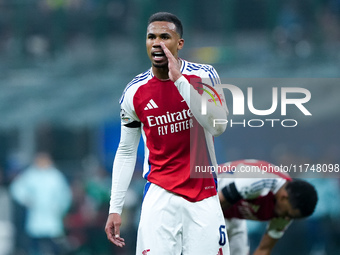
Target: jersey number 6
(223, 237)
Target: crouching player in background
(252, 190)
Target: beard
(160, 65)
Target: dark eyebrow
(162, 34)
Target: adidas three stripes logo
(151, 105)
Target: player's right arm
(275, 230)
(193, 98)
(122, 171)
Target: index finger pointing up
(167, 51)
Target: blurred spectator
(87, 216)
(97, 188)
(80, 215)
(44, 192)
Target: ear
(180, 44)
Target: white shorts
(238, 236)
(171, 225)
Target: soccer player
(270, 195)
(180, 214)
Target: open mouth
(158, 55)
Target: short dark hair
(302, 196)
(168, 17)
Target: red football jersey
(174, 140)
(258, 192)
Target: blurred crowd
(46, 212)
(42, 28)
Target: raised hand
(173, 64)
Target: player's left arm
(243, 188)
(275, 230)
(266, 245)
(225, 204)
(193, 99)
(228, 194)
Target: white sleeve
(250, 188)
(214, 112)
(277, 226)
(123, 166)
